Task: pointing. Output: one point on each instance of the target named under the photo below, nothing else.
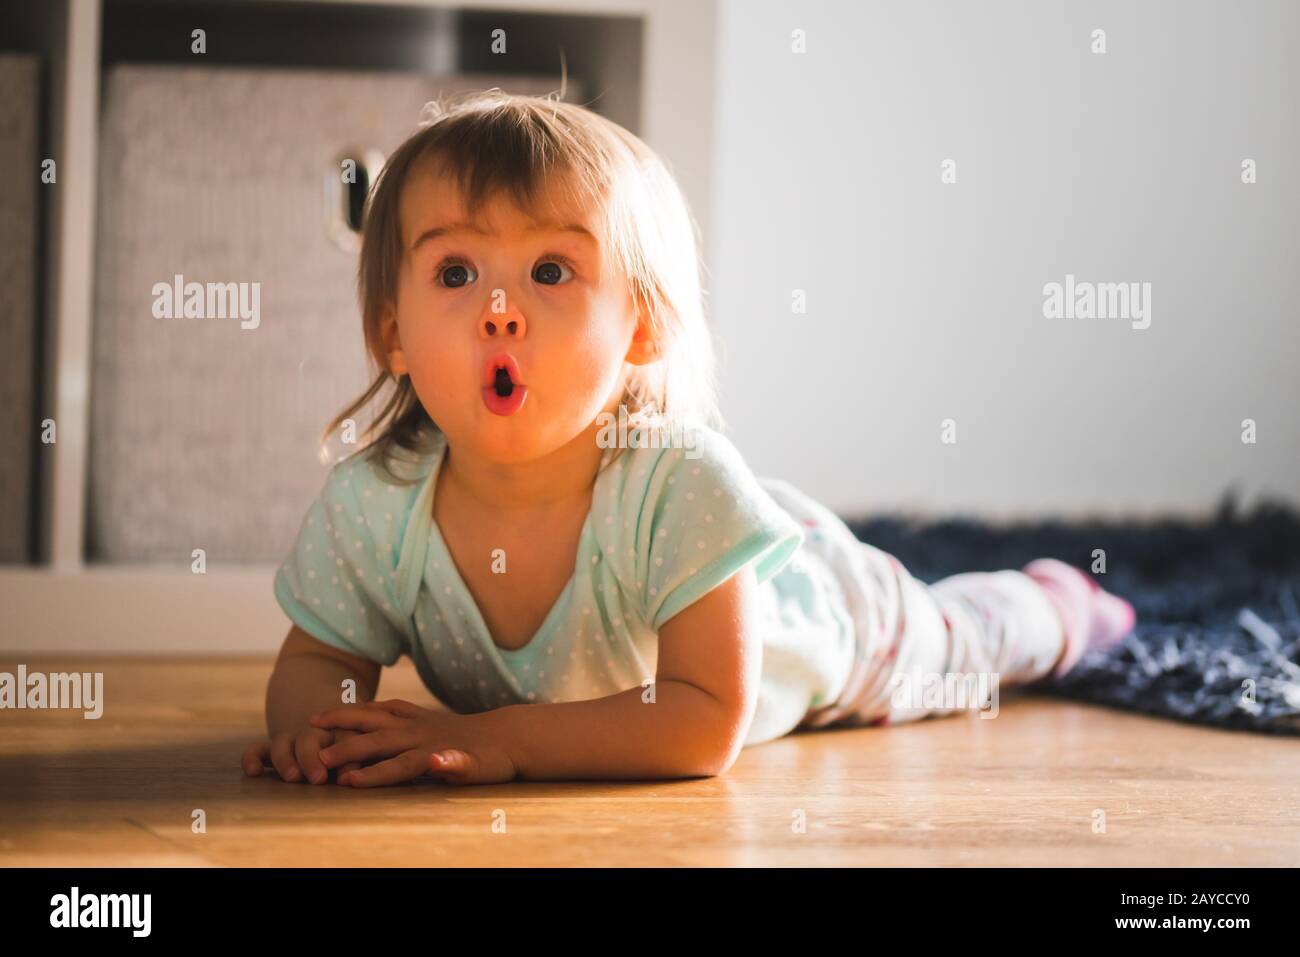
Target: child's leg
(1011, 626)
(998, 629)
(899, 629)
(1093, 617)
(1002, 625)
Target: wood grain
(1022, 789)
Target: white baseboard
(140, 609)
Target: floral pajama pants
(999, 626)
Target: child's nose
(509, 323)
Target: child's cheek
(440, 372)
(596, 371)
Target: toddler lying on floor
(587, 608)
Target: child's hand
(296, 757)
(414, 741)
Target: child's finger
(364, 747)
(405, 767)
(254, 757)
(343, 734)
(403, 709)
(357, 719)
(282, 758)
(453, 766)
(343, 769)
(306, 749)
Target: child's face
(548, 297)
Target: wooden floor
(1030, 787)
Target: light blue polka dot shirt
(371, 574)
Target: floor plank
(1023, 789)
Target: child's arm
(308, 677)
(704, 696)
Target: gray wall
(925, 300)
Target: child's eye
(551, 272)
(455, 273)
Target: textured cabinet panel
(204, 434)
(19, 186)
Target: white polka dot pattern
(339, 588)
(703, 516)
(667, 525)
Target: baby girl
(586, 608)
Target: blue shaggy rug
(1218, 634)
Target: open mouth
(501, 372)
(503, 389)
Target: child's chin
(504, 441)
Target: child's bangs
(518, 154)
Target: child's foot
(1093, 617)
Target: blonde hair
(498, 142)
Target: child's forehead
(432, 198)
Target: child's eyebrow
(462, 227)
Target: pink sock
(1093, 617)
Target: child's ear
(396, 359)
(645, 348)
